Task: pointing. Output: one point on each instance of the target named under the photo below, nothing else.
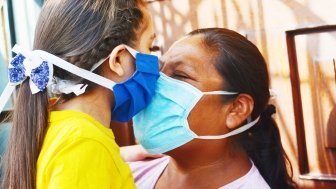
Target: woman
(211, 115)
(69, 143)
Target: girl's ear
(240, 110)
(115, 60)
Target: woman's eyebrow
(186, 64)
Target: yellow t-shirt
(79, 152)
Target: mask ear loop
(219, 93)
(132, 51)
(96, 65)
(234, 132)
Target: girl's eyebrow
(153, 36)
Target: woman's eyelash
(179, 76)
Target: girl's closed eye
(154, 48)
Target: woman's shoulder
(147, 172)
(251, 180)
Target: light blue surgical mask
(163, 125)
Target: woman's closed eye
(180, 76)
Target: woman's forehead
(185, 48)
(188, 50)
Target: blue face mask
(134, 94)
(163, 126)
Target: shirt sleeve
(84, 163)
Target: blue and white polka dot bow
(26, 64)
(37, 70)
(38, 65)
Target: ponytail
(263, 145)
(30, 120)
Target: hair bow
(38, 67)
(26, 64)
(38, 70)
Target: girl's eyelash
(154, 48)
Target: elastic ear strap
(5, 95)
(95, 66)
(131, 50)
(219, 93)
(234, 132)
(102, 81)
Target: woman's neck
(205, 170)
(96, 103)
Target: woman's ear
(115, 60)
(240, 109)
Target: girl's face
(146, 33)
(145, 38)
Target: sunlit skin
(205, 163)
(99, 101)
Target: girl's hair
(244, 69)
(81, 32)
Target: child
(69, 143)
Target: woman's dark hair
(81, 32)
(244, 69)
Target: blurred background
(305, 82)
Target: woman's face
(188, 60)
